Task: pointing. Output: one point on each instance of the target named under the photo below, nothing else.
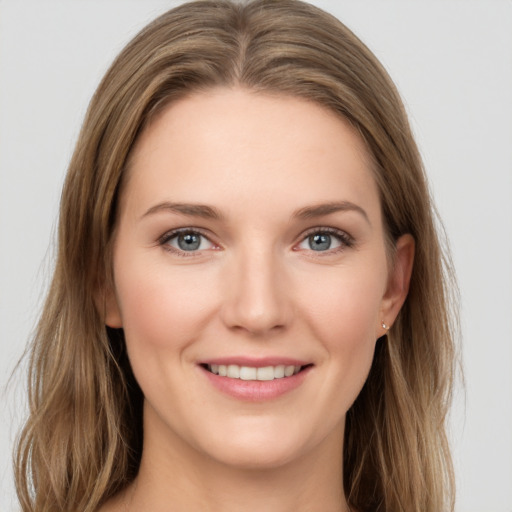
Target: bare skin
(249, 233)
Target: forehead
(227, 145)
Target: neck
(174, 476)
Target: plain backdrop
(452, 62)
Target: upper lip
(256, 362)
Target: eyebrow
(192, 210)
(311, 212)
(210, 212)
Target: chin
(257, 457)
(266, 445)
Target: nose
(256, 298)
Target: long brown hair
(82, 441)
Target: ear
(108, 307)
(398, 282)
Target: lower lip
(256, 390)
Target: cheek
(160, 325)
(155, 303)
(346, 307)
(344, 315)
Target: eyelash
(344, 238)
(167, 237)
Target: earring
(384, 325)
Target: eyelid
(344, 238)
(172, 233)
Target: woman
(248, 308)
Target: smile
(264, 373)
(256, 380)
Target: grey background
(452, 61)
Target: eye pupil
(320, 242)
(189, 241)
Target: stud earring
(385, 326)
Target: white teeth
(265, 373)
(247, 373)
(234, 371)
(289, 370)
(279, 371)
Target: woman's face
(250, 243)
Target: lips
(255, 380)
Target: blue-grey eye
(189, 241)
(322, 241)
